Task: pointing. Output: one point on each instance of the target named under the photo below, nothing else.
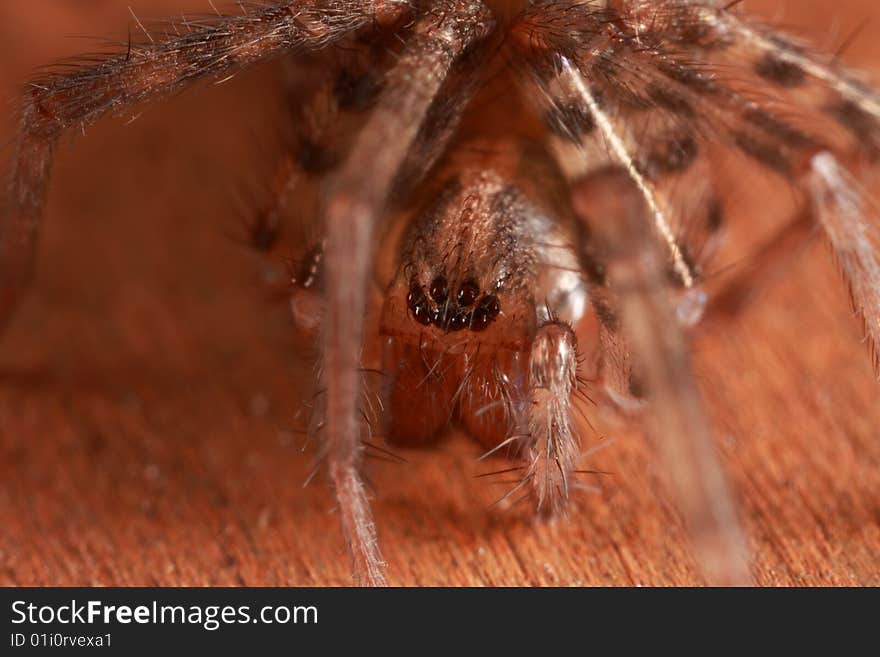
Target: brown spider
(525, 160)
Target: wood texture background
(148, 388)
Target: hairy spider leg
(354, 205)
(155, 68)
(634, 263)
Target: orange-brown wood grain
(148, 387)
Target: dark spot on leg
(689, 77)
(594, 269)
(777, 128)
(263, 233)
(687, 29)
(570, 121)
(625, 95)
(442, 113)
(780, 71)
(636, 387)
(670, 100)
(592, 265)
(356, 91)
(671, 156)
(770, 156)
(606, 315)
(715, 216)
(863, 126)
(313, 158)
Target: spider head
(464, 272)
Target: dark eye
(458, 321)
(418, 303)
(486, 312)
(439, 290)
(468, 293)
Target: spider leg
(643, 319)
(189, 50)
(340, 86)
(593, 203)
(763, 267)
(635, 272)
(842, 210)
(801, 76)
(353, 206)
(845, 111)
(552, 442)
(652, 82)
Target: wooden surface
(148, 390)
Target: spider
(528, 163)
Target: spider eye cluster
(452, 311)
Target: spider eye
(429, 307)
(486, 312)
(458, 321)
(439, 290)
(418, 304)
(468, 293)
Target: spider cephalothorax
(541, 158)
